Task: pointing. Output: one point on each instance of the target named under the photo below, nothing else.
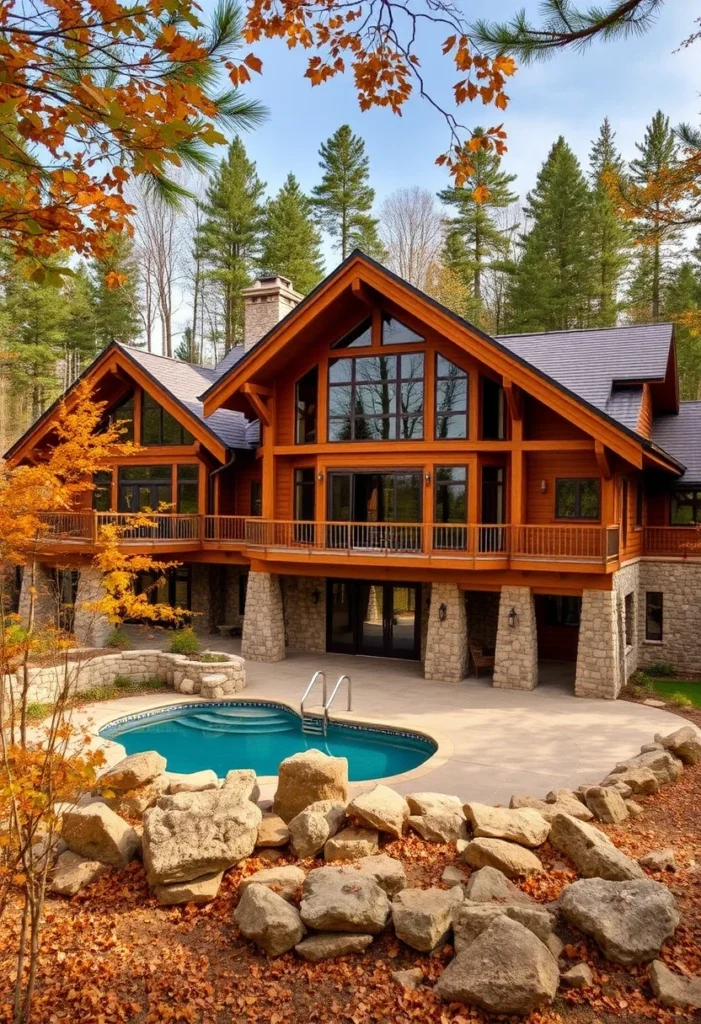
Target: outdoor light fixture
(315, 596)
(543, 486)
(427, 478)
(442, 612)
(512, 618)
(320, 476)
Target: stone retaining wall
(305, 618)
(679, 582)
(139, 666)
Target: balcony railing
(672, 541)
(481, 543)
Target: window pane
(370, 406)
(454, 425)
(304, 494)
(341, 497)
(589, 499)
(412, 396)
(684, 507)
(358, 337)
(138, 473)
(493, 410)
(340, 430)
(172, 431)
(653, 615)
(412, 428)
(123, 414)
(444, 368)
(150, 423)
(256, 498)
(375, 399)
(451, 395)
(565, 499)
(408, 502)
(340, 371)
(340, 400)
(102, 494)
(187, 499)
(375, 368)
(306, 402)
(394, 332)
(412, 366)
(188, 472)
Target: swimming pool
(227, 735)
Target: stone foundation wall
(46, 600)
(482, 618)
(516, 652)
(264, 623)
(305, 619)
(679, 582)
(446, 641)
(91, 628)
(599, 662)
(627, 581)
(424, 610)
(139, 666)
(202, 584)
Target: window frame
(695, 506)
(648, 595)
(397, 417)
(439, 379)
(578, 481)
(256, 498)
(182, 482)
(102, 485)
(186, 438)
(303, 416)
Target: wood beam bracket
(361, 292)
(514, 398)
(258, 401)
(602, 459)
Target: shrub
(640, 681)
(210, 658)
(123, 682)
(118, 638)
(184, 641)
(681, 700)
(660, 669)
(37, 712)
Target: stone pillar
(90, 627)
(203, 580)
(446, 640)
(263, 623)
(304, 602)
(516, 653)
(599, 650)
(46, 600)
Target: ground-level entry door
(380, 619)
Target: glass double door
(380, 619)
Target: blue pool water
(225, 736)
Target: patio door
(375, 619)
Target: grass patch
(669, 689)
(121, 687)
(38, 712)
(211, 658)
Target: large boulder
(268, 920)
(471, 919)
(286, 881)
(193, 834)
(659, 860)
(132, 771)
(351, 843)
(72, 873)
(591, 851)
(430, 803)
(242, 784)
(439, 826)
(505, 970)
(326, 947)
(684, 743)
(272, 832)
(199, 890)
(630, 921)
(387, 872)
(522, 825)
(666, 766)
(97, 833)
(606, 804)
(135, 803)
(641, 781)
(674, 989)
(308, 777)
(565, 804)
(311, 829)
(194, 782)
(514, 860)
(423, 918)
(490, 885)
(382, 808)
(344, 900)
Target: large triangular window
(394, 332)
(158, 427)
(359, 337)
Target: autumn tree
(229, 237)
(343, 199)
(291, 243)
(610, 236)
(411, 229)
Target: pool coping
(114, 751)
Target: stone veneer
(91, 628)
(46, 600)
(264, 623)
(516, 652)
(598, 671)
(482, 618)
(679, 582)
(305, 619)
(446, 642)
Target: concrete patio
(492, 742)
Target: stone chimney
(265, 303)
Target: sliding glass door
(370, 501)
(376, 619)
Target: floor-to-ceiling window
(380, 619)
(372, 501)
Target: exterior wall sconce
(543, 486)
(442, 612)
(315, 596)
(320, 476)
(512, 618)
(427, 477)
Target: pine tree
(229, 237)
(115, 302)
(81, 341)
(291, 241)
(610, 236)
(482, 239)
(343, 200)
(658, 154)
(553, 282)
(682, 303)
(186, 349)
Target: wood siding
(548, 467)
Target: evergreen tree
(481, 239)
(229, 237)
(82, 340)
(553, 283)
(682, 304)
(115, 281)
(186, 350)
(291, 241)
(655, 240)
(343, 200)
(610, 236)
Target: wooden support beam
(602, 459)
(256, 389)
(259, 406)
(514, 399)
(361, 292)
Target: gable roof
(595, 363)
(680, 435)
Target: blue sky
(568, 95)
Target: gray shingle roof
(185, 381)
(591, 362)
(230, 359)
(680, 435)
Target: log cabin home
(370, 474)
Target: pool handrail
(310, 688)
(327, 704)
